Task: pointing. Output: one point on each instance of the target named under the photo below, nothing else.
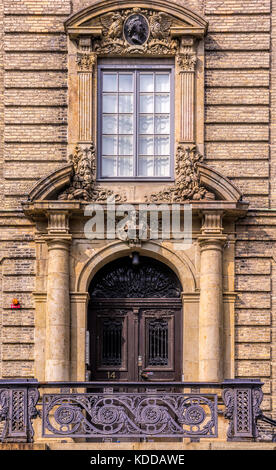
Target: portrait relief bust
(136, 29)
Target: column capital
(212, 243)
(58, 242)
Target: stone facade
(233, 107)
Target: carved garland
(83, 182)
(187, 185)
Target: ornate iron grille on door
(111, 342)
(158, 342)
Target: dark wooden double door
(135, 339)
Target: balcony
(107, 411)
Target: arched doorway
(135, 321)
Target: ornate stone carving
(186, 62)
(187, 185)
(86, 62)
(113, 25)
(136, 31)
(83, 182)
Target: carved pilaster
(86, 61)
(186, 63)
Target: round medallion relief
(136, 29)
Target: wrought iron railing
(133, 410)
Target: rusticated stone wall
(240, 142)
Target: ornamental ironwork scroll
(242, 410)
(121, 280)
(129, 415)
(17, 410)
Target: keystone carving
(136, 31)
(187, 185)
(83, 182)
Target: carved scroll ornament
(136, 31)
(83, 182)
(187, 185)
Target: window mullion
(117, 156)
(136, 122)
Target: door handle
(146, 375)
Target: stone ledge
(22, 446)
(181, 446)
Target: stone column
(211, 306)
(57, 350)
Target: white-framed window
(135, 122)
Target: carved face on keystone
(136, 30)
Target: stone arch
(79, 22)
(181, 265)
(55, 182)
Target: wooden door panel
(135, 343)
(159, 340)
(111, 332)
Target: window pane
(125, 166)
(146, 125)
(110, 103)
(125, 103)
(146, 166)
(162, 124)
(162, 166)
(146, 104)
(109, 166)
(125, 82)
(125, 124)
(146, 82)
(125, 145)
(162, 145)
(146, 145)
(109, 124)
(109, 145)
(162, 82)
(109, 82)
(162, 103)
